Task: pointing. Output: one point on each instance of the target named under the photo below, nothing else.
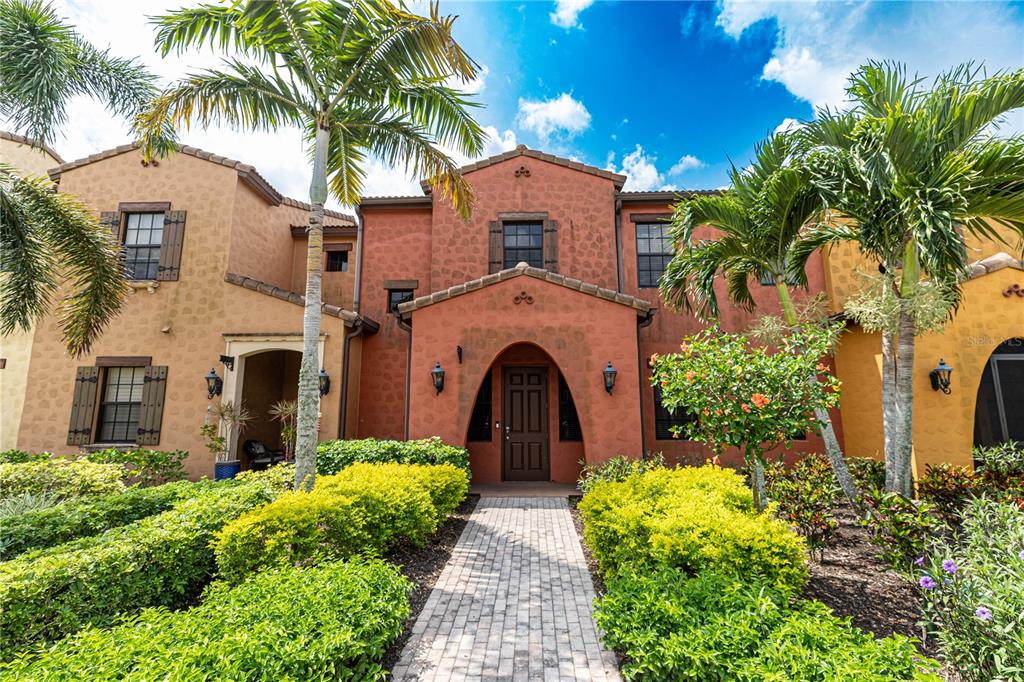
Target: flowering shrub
(806, 496)
(902, 528)
(617, 468)
(692, 518)
(746, 396)
(973, 591)
(671, 626)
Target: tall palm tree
(907, 171)
(359, 77)
(49, 239)
(759, 219)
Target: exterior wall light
(325, 382)
(214, 384)
(437, 376)
(940, 377)
(609, 377)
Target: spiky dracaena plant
(758, 220)
(906, 171)
(361, 78)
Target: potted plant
(222, 421)
(286, 412)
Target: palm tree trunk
(903, 440)
(828, 433)
(889, 412)
(759, 487)
(309, 382)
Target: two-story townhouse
(216, 260)
(541, 311)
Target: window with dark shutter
(551, 245)
(494, 247)
(480, 420)
(568, 419)
(131, 402)
(143, 236)
(665, 421)
(523, 243)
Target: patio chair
(260, 457)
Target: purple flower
(949, 566)
(983, 613)
(1021, 555)
(927, 582)
(919, 561)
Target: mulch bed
(577, 521)
(423, 565)
(854, 582)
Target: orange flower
(759, 400)
(664, 382)
(718, 413)
(675, 434)
(654, 359)
(690, 375)
(822, 367)
(745, 407)
(685, 347)
(705, 412)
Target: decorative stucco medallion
(522, 297)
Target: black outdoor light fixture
(437, 376)
(609, 377)
(214, 384)
(940, 377)
(228, 361)
(325, 382)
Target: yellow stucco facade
(988, 316)
(16, 348)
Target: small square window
(337, 261)
(396, 297)
(523, 243)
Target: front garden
(105, 578)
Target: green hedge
(332, 622)
(85, 517)
(162, 560)
(62, 478)
(334, 455)
(710, 627)
(142, 466)
(364, 509)
(20, 456)
(693, 518)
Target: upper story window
(337, 261)
(398, 296)
(121, 405)
(654, 252)
(143, 234)
(667, 421)
(523, 243)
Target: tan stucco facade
(16, 348)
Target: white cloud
(640, 170)
(820, 43)
(686, 162)
(787, 125)
(473, 87)
(567, 12)
(562, 116)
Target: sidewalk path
(513, 603)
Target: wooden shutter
(551, 245)
(170, 246)
(83, 405)
(152, 412)
(495, 247)
(112, 221)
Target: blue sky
(666, 92)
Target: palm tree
(759, 220)
(359, 77)
(906, 171)
(48, 238)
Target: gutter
(645, 321)
(618, 243)
(358, 290)
(407, 326)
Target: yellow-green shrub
(365, 509)
(694, 519)
(62, 478)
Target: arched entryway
(524, 425)
(999, 410)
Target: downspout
(358, 290)
(407, 326)
(357, 330)
(643, 322)
(618, 244)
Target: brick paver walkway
(513, 603)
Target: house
(29, 159)
(523, 333)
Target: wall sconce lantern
(325, 382)
(609, 377)
(940, 377)
(437, 376)
(214, 384)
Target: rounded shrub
(332, 622)
(62, 478)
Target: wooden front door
(525, 407)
